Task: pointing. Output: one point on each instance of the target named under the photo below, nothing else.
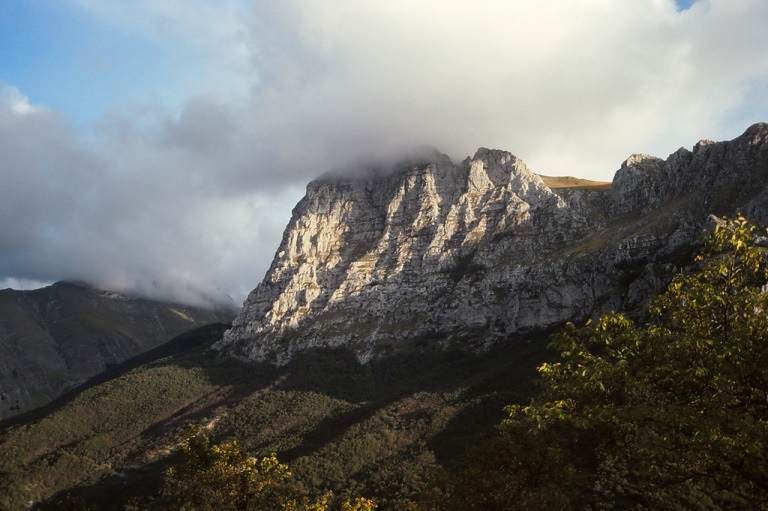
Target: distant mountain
(54, 338)
(472, 254)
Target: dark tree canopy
(675, 410)
(224, 477)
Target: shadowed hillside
(377, 429)
(54, 338)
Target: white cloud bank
(191, 201)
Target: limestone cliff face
(485, 250)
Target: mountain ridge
(485, 249)
(56, 337)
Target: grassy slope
(556, 182)
(377, 429)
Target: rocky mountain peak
(639, 161)
(474, 253)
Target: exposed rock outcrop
(478, 252)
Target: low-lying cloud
(190, 202)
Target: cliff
(486, 251)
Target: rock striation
(483, 251)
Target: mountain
(471, 254)
(54, 338)
(446, 278)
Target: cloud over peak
(188, 196)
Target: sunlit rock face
(485, 251)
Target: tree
(359, 504)
(676, 409)
(517, 469)
(225, 478)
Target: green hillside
(379, 429)
(667, 413)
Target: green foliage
(280, 420)
(380, 429)
(70, 503)
(225, 478)
(676, 410)
(516, 470)
(359, 504)
(95, 431)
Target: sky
(158, 146)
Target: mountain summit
(484, 251)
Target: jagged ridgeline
(479, 252)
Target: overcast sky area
(158, 146)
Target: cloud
(571, 88)
(189, 199)
(146, 217)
